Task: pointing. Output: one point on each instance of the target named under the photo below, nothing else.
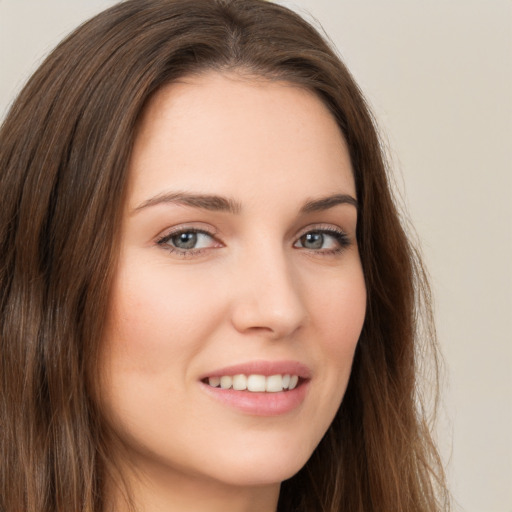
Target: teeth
(274, 383)
(255, 383)
(214, 382)
(226, 382)
(240, 382)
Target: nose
(267, 297)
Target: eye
(188, 241)
(323, 240)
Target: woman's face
(238, 265)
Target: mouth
(260, 388)
(255, 383)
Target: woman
(208, 300)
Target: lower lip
(260, 404)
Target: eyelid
(341, 235)
(162, 239)
(323, 227)
(187, 227)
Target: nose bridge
(267, 294)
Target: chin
(260, 466)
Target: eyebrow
(204, 201)
(325, 203)
(226, 204)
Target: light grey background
(439, 77)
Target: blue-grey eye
(313, 240)
(323, 240)
(188, 240)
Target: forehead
(229, 134)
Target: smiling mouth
(255, 383)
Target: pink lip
(261, 404)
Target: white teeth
(255, 383)
(214, 382)
(274, 383)
(240, 382)
(226, 382)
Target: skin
(250, 290)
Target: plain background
(438, 75)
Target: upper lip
(266, 368)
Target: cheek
(339, 308)
(154, 318)
(338, 311)
(344, 319)
(151, 338)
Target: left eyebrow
(325, 203)
(203, 201)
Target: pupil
(185, 240)
(313, 240)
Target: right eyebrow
(204, 201)
(325, 203)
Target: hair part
(64, 154)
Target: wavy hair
(64, 152)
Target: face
(238, 268)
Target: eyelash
(164, 242)
(342, 239)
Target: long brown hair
(64, 152)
